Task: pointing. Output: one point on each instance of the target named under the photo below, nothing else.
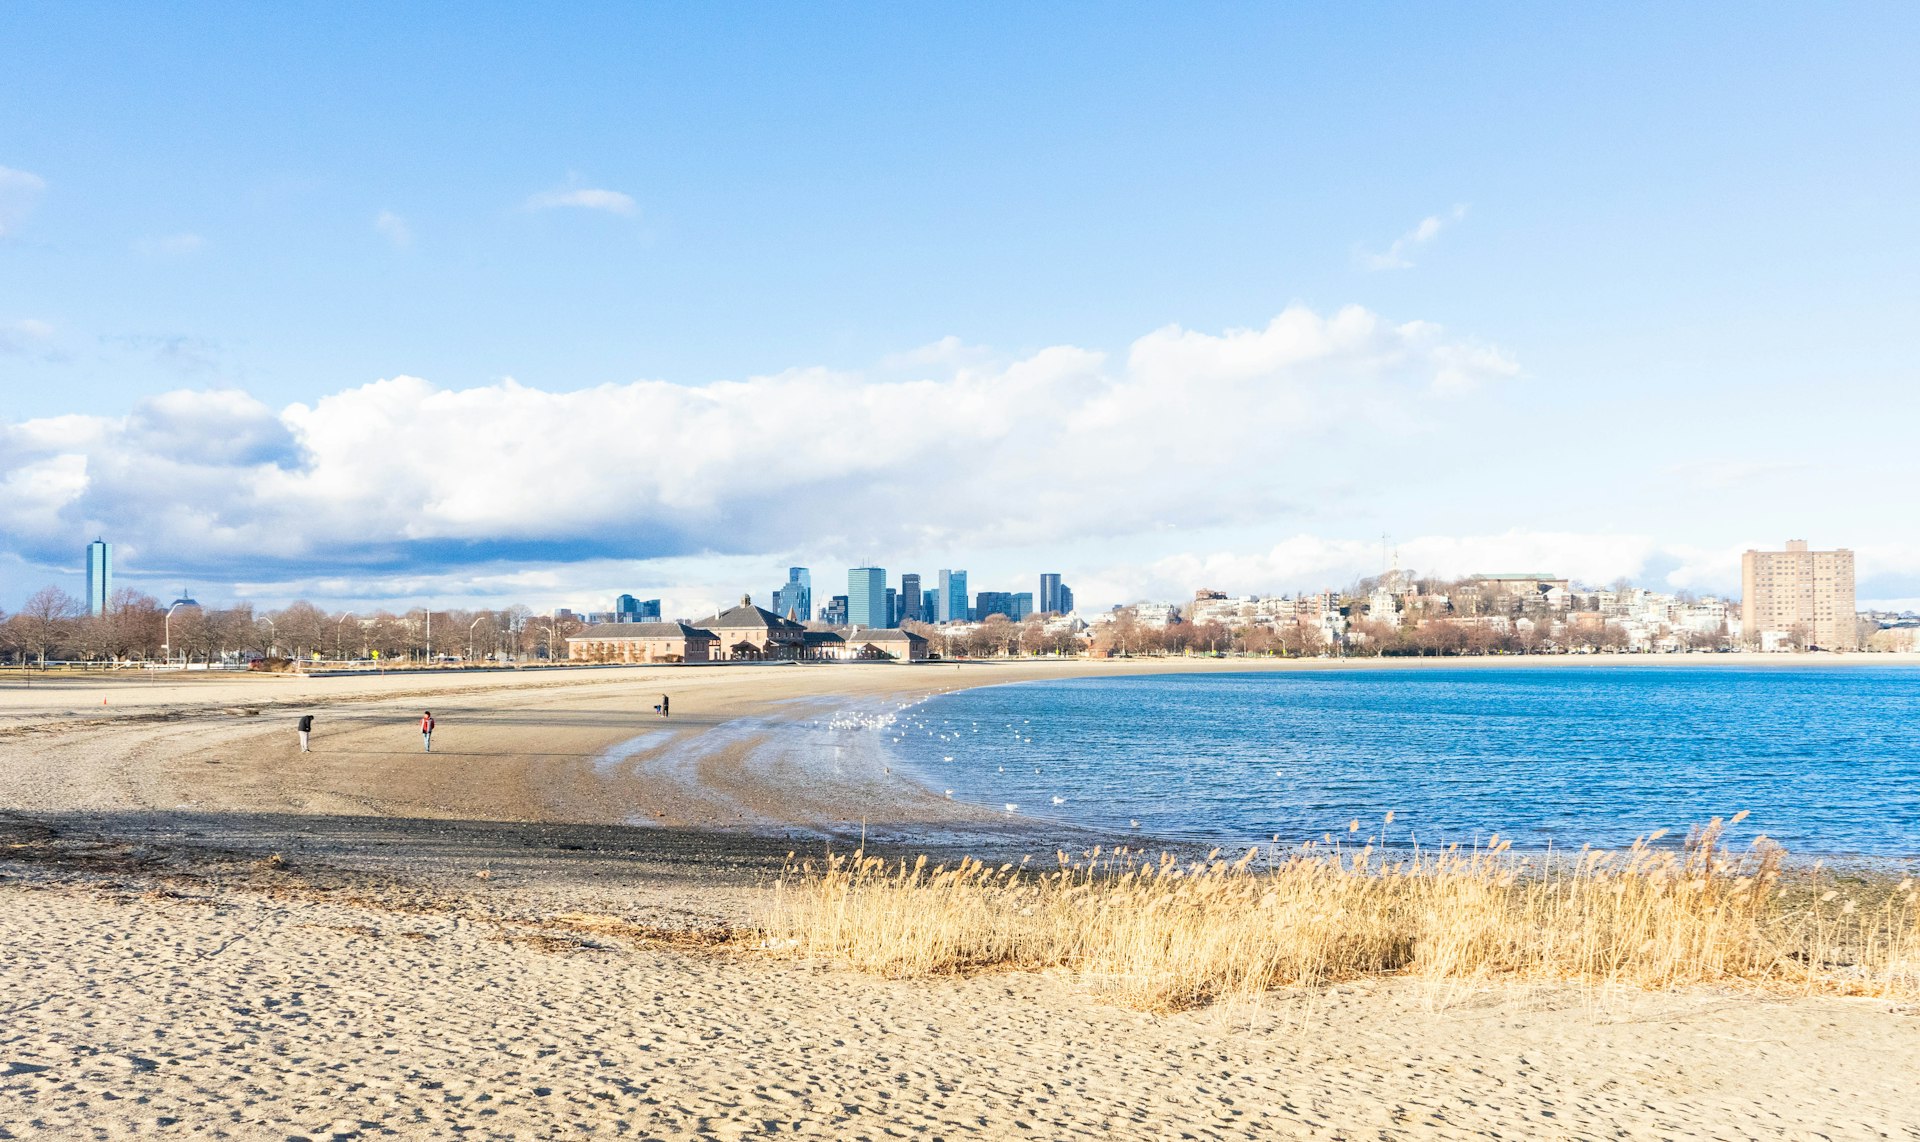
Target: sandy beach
(522, 934)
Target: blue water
(1827, 761)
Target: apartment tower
(1798, 591)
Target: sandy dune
(477, 944)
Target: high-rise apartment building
(1065, 600)
(867, 597)
(795, 599)
(1022, 606)
(910, 597)
(1799, 592)
(951, 604)
(99, 576)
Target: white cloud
(1398, 256)
(20, 192)
(393, 228)
(170, 245)
(1063, 445)
(584, 198)
(25, 335)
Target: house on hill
(747, 633)
(641, 642)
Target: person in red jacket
(426, 729)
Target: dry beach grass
(1162, 934)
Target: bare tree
(44, 621)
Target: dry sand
(209, 933)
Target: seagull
(1059, 800)
(1133, 823)
(949, 794)
(1010, 808)
(948, 758)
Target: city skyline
(1345, 285)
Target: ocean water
(1826, 760)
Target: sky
(491, 304)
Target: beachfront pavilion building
(885, 646)
(641, 642)
(747, 633)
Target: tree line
(53, 626)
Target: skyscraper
(1066, 599)
(951, 604)
(796, 597)
(993, 603)
(627, 609)
(1798, 591)
(893, 607)
(867, 597)
(1049, 597)
(1022, 606)
(910, 597)
(99, 576)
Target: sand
(210, 934)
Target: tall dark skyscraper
(1049, 597)
(99, 576)
(910, 597)
(893, 607)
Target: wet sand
(525, 934)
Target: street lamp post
(273, 640)
(470, 626)
(166, 625)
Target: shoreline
(214, 933)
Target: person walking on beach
(663, 705)
(306, 727)
(426, 729)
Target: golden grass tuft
(1160, 934)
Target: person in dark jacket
(663, 705)
(306, 727)
(426, 730)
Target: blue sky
(1628, 289)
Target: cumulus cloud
(393, 228)
(1399, 255)
(20, 192)
(1187, 429)
(584, 198)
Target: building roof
(746, 616)
(606, 631)
(1517, 575)
(823, 637)
(885, 634)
